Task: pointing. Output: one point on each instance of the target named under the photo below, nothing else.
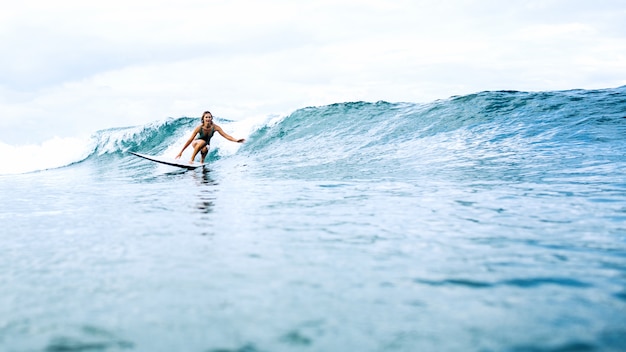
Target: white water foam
(52, 153)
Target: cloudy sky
(70, 68)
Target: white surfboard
(170, 161)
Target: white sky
(69, 68)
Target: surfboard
(170, 161)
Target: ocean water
(489, 222)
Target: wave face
(507, 136)
(152, 138)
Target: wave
(502, 134)
(561, 114)
(59, 152)
(473, 133)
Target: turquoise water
(489, 222)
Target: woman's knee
(199, 144)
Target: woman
(204, 133)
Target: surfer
(204, 132)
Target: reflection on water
(205, 177)
(206, 185)
(205, 205)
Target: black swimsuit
(206, 137)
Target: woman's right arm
(193, 135)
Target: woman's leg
(197, 145)
(203, 153)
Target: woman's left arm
(227, 136)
